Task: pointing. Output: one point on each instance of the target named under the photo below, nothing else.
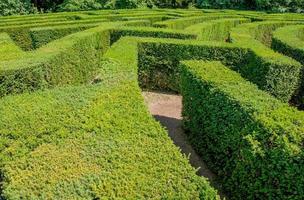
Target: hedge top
(257, 138)
(90, 142)
(52, 49)
(251, 35)
(285, 122)
(71, 86)
(291, 35)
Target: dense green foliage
(8, 7)
(277, 74)
(159, 60)
(75, 142)
(159, 65)
(48, 66)
(289, 41)
(185, 22)
(73, 123)
(60, 145)
(252, 140)
(217, 30)
(269, 5)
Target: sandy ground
(167, 108)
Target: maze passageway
(167, 109)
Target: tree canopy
(9, 7)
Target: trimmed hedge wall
(90, 136)
(21, 33)
(63, 147)
(8, 49)
(159, 59)
(216, 29)
(42, 36)
(59, 63)
(277, 74)
(158, 65)
(59, 144)
(151, 18)
(289, 41)
(183, 23)
(149, 32)
(253, 141)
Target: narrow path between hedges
(167, 109)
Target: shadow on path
(167, 108)
(176, 133)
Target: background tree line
(9, 7)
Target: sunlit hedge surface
(251, 139)
(74, 125)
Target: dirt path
(167, 108)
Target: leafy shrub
(222, 4)
(172, 3)
(252, 140)
(288, 40)
(149, 32)
(8, 49)
(159, 59)
(51, 65)
(74, 127)
(47, 5)
(126, 4)
(12, 7)
(215, 29)
(76, 5)
(9, 7)
(90, 126)
(183, 23)
(280, 6)
(268, 5)
(279, 75)
(48, 66)
(42, 36)
(63, 147)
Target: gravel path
(167, 108)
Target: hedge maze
(74, 124)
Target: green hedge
(91, 142)
(216, 29)
(82, 140)
(277, 74)
(184, 22)
(21, 33)
(42, 36)
(151, 18)
(250, 139)
(8, 49)
(59, 143)
(149, 32)
(58, 63)
(159, 60)
(292, 17)
(289, 41)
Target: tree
(11, 7)
(76, 5)
(47, 5)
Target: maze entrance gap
(166, 108)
